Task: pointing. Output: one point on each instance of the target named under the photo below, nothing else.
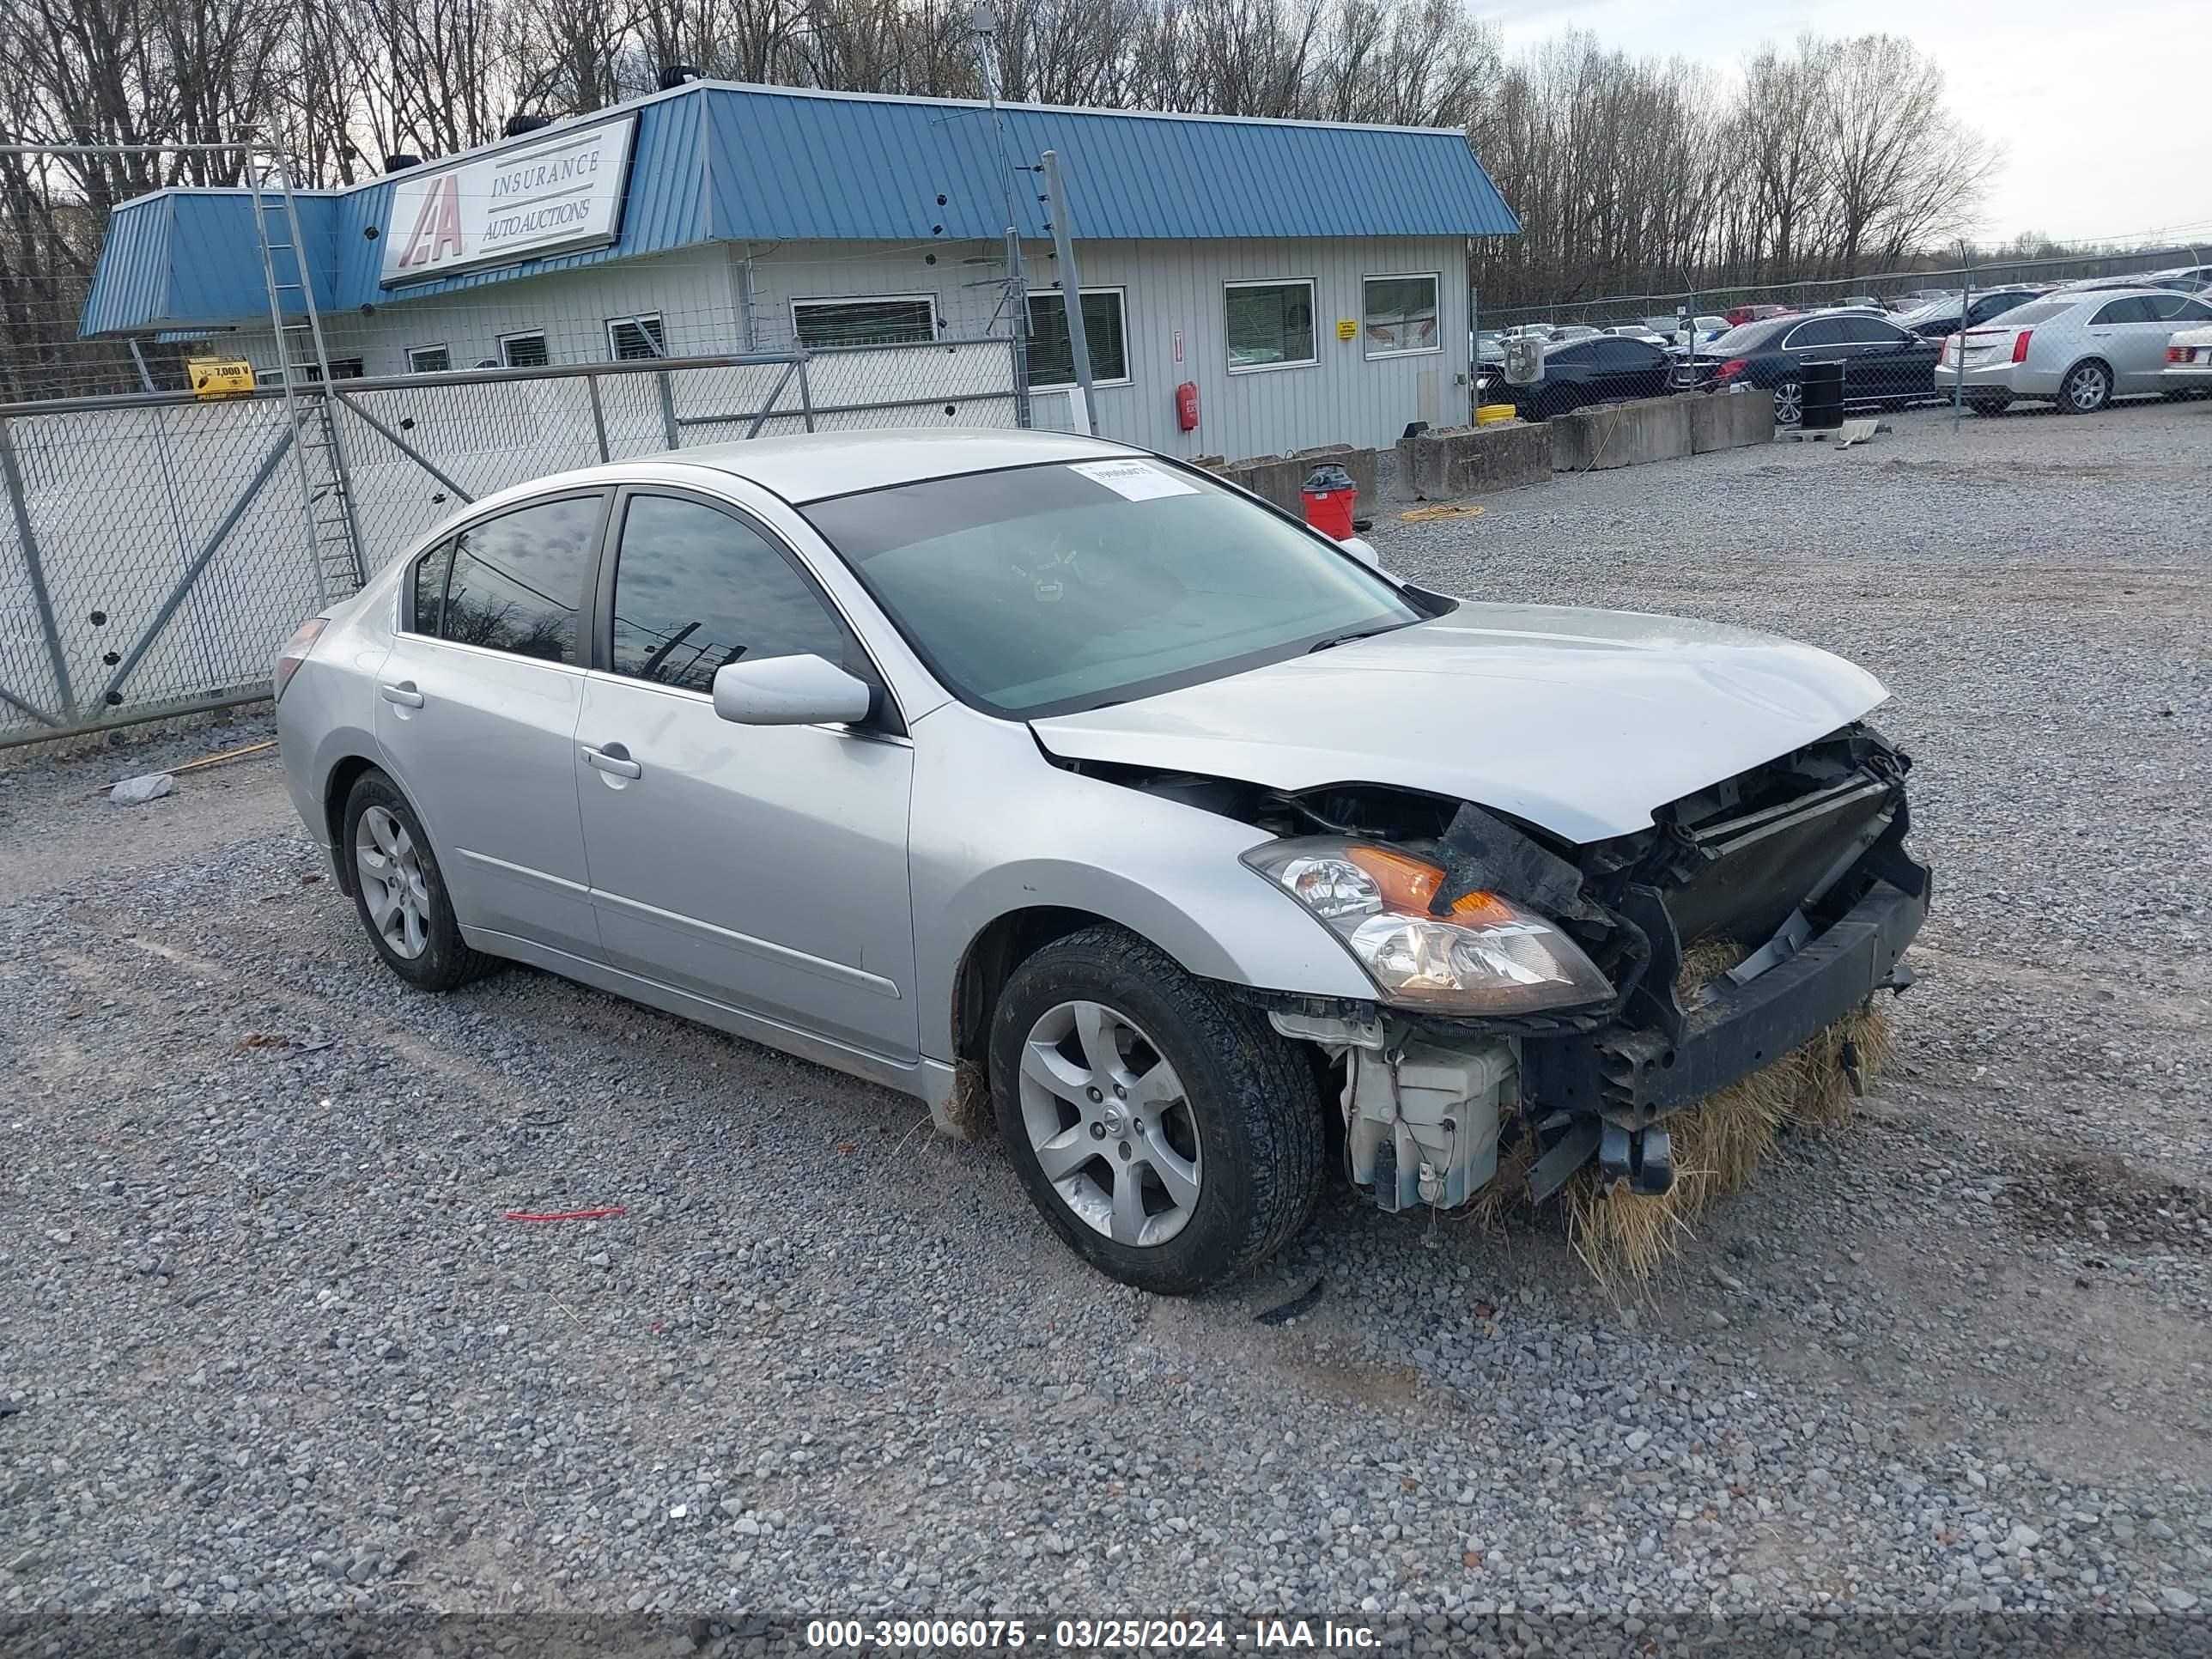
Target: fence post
(805, 392)
(668, 411)
(21, 502)
(1958, 340)
(599, 418)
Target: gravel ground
(267, 1347)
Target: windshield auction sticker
(1140, 481)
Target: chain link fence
(155, 550)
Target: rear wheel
(2086, 388)
(1788, 403)
(1165, 1131)
(399, 892)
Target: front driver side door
(763, 867)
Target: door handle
(403, 694)
(615, 765)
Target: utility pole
(984, 23)
(1071, 286)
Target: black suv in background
(1940, 321)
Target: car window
(1870, 330)
(1745, 337)
(1626, 356)
(696, 589)
(2165, 307)
(518, 580)
(2038, 311)
(1820, 331)
(1039, 590)
(2133, 309)
(1581, 352)
(2191, 311)
(426, 589)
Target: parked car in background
(1922, 296)
(1942, 318)
(1598, 369)
(1884, 364)
(1073, 791)
(2188, 371)
(1636, 332)
(1573, 332)
(1739, 315)
(2078, 349)
(1856, 302)
(2183, 279)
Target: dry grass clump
(1717, 1146)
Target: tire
(2086, 388)
(414, 932)
(1221, 1175)
(1788, 402)
(1990, 405)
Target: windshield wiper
(1346, 639)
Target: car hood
(1579, 722)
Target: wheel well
(991, 958)
(336, 789)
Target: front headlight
(1484, 957)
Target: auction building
(1248, 287)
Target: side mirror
(806, 690)
(1362, 549)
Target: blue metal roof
(717, 161)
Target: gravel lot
(266, 1346)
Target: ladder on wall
(332, 532)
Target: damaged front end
(1587, 1035)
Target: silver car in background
(1085, 796)
(2077, 348)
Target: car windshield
(1044, 590)
(1747, 337)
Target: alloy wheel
(2086, 388)
(1109, 1123)
(1788, 403)
(391, 881)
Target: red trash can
(1328, 494)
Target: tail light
(1731, 369)
(2020, 344)
(2177, 353)
(296, 653)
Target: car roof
(812, 466)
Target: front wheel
(1788, 403)
(1165, 1131)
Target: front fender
(996, 828)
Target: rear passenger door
(2130, 334)
(476, 716)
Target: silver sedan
(1090, 798)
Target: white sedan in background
(2189, 360)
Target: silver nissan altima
(1078, 792)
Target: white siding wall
(701, 296)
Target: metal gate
(156, 550)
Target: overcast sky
(2099, 104)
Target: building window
(427, 360)
(1400, 314)
(633, 337)
(1052, 356)
(904, 319)
(342, 368)
(524, 350)
(1271, 325)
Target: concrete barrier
(1280, 478)
(1620, 434)
(1730, 420)
(1446, 463)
